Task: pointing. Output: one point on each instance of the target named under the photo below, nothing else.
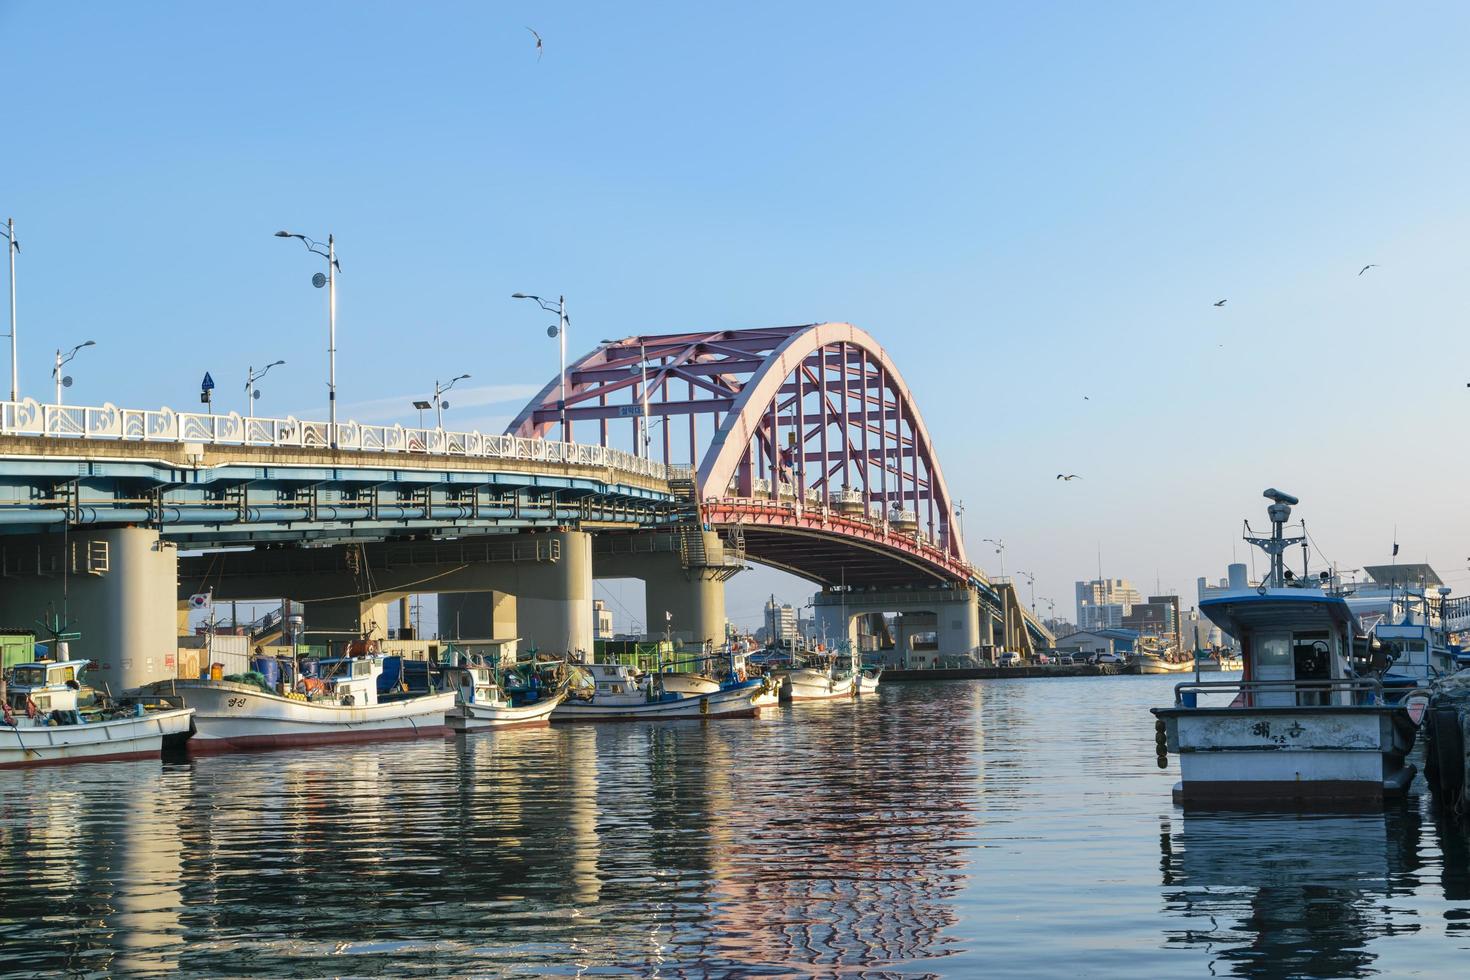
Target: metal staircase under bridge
(691, 529)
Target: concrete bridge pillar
(120, 587)
(477, 615)
(684, 576)
(554, 601)
(691, 605)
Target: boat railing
(1186, 694)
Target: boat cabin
(1296, 645)
(352, 680)
(616, 684)
(50, 685)
(475, 685)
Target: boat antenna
(1279, 512)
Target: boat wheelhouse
(1308, 723)
(44, 724)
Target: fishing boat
(1398, 609)
(481, 703)
(1153, 663)
(43, 723)
(1308, 723)
(866, 680)
(1206, 662)
(341, 705)
(617, 693)
(824, 678)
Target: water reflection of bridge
(681, 851)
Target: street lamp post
(330, 281)
(642, 371)
(422, 406)
(1031, 579)
(560, 332)
(250, 378)
(1005, 607)
(12, 247)
(62, 359)
(439, 404)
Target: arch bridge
(806, 448)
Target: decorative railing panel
(30, 418)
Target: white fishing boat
(819, 681)
(42, 724)
(1308, 723)
(340, 706)
(1153, 663)
(481, 704)
(618, 694)
(866, 681)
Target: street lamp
(642, 371)
(440, 405)
(557, 332)
(250, 378)
(1005, 607)
(330, 281)
(959, 511)
(1032, 580)
(423, 407)
(13, 247)
(65, 382)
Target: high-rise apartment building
(1103, 602)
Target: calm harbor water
(1003, 828)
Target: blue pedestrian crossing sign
(207, 383)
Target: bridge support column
(477, 615)
(684, 575)
(120, 594)
(554, 601)
(695, 604)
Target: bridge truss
(806, 442)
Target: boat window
(361, 669)
(1273, 651)
(26, 676)
(43, 703)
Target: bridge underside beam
(832, 561)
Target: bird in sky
(1087, 399)
(1069, 477)
(1221, 303)
(1370, 265)
(538, 42)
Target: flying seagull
(1069, 477)
(538, 43)
(1370, 265)
(1221, 303)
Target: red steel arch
(805, 435)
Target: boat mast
(1279, 512)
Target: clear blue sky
(1025, 203)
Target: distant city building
(780, 623)
(1103, 602)
(602, 621)
(1159, 616)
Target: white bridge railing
(30, 418)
